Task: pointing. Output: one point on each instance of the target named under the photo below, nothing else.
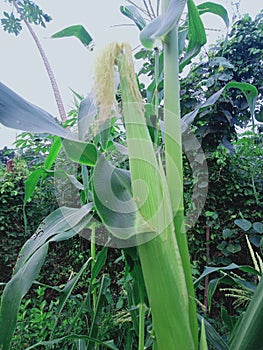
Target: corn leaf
(248, 334)
(133, 13)
(196, 34)
(216, 9)
(62, 224)
(81, 152)
(17, 113)
(78, 31)
(163, 24)
(87, 112)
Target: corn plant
(142, 208)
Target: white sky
(21, 67)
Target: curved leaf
(60, 225)
(17, 113)
(113, 199)
(133, 13)
(162, 25)
(216, 9)
(196, 34)
(81, 152)
(250, 92)
(79, 32)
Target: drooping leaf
(62, 224)
(162, 25)
(13, 293)
(133, 13)
(250, 92)
(216, 9)
(78, 31)
(81, 152)
(196, 34)
(17, 113)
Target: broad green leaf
(196, 34)
(163, 24)
(79, 32)
(81, 152)
(250, 92)
(259, 116)
(31, 183)
(248, 334)
(244, 224)
(216, 9)
(258, 227)
(113, 199)
(17, 113)
(109, 344)
(133, 13)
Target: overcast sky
(21, 67)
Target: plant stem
(173, 155)
(93, 256)
(141, 325)
(61, 109)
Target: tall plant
(143, 208)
